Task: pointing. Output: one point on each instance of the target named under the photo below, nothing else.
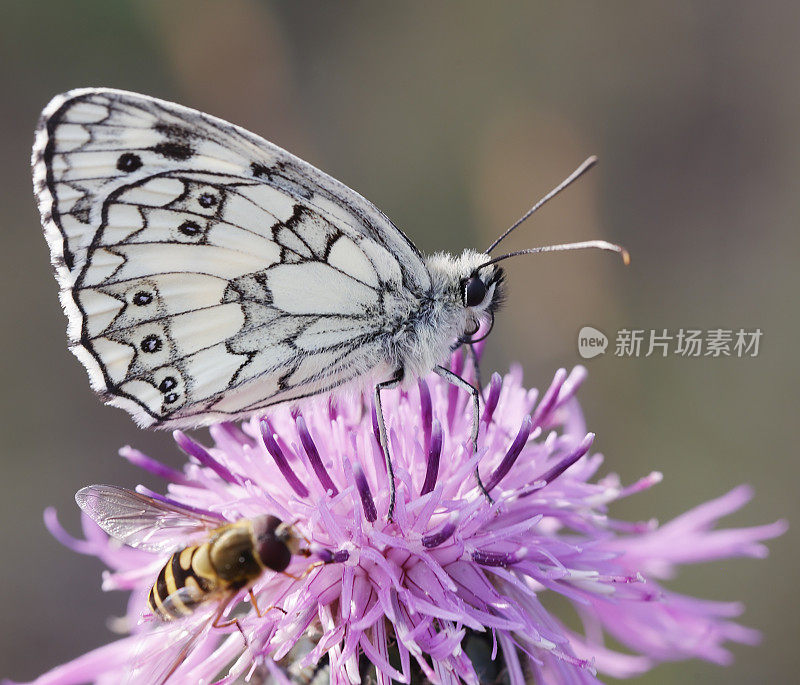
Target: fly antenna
(587, 244)
(574, 176)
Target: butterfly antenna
(574, 176)
(587, 244)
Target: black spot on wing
(151, 343)
(142, 298)
(190, 228)
(129, 162)
(207, 200)
(176, 151)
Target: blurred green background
(453, 117)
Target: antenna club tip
(626, 256)
(586, 165)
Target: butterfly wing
(143, 522)
(205, 272)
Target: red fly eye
(474, 291)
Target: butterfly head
(474, 291)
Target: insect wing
(205, 272)
(166, 649)
(140, 521)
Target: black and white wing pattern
(205, 272)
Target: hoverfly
(221, 559)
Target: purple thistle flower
(405, 595)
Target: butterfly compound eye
(474, 291)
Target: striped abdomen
(185, 581)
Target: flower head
(404, 595)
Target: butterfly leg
(473, 355)
(383, 438)
(459, 382)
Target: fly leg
(255, 603)
(260, 613)
(310, 568)
(219, 623)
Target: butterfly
(207, 274)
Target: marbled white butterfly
(207, 274)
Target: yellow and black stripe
(184, 570)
